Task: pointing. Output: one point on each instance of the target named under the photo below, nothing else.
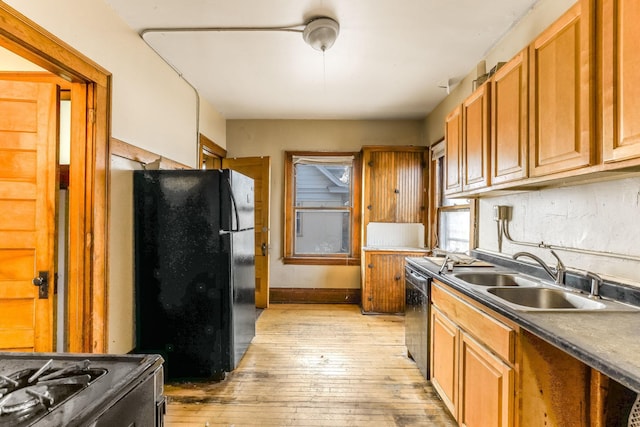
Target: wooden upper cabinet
(620, 64)
(561, 94)
(453, 151)
(394, 184)
(509, 121)
(475, 139)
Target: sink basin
(495, 279)
(545, 298)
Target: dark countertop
(606, 341)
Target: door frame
(88, 173)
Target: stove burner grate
(29, 393)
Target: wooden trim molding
(289, 220)
(211, 147)
(36, 76)
(315, 296)
(88, 172)
(131, 152)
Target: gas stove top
(71, 390)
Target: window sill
(321, 260)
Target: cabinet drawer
(494, 334)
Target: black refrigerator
(194, 269)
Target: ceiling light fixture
(320, 33)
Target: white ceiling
(388, 62)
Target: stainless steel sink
(495, 279)
(525, 293)
(546, 298)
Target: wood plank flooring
(315, 365)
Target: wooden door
(509, 118)
(453, 151)
(28, 159)
(620, 77)
(444, 359)
(561, 94)
(258, 168)
(475, 139)
(486, 387)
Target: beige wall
(274, 137)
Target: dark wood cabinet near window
(383, 280)
(395, 183)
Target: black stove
(60, 389)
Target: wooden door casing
(258, 168)
(28, 182)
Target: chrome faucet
(557, 275)
(596, 282)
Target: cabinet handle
(397, 191)
(370, 207)
(398, 277)
(370, 265)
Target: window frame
(437, 203)
(290, 213)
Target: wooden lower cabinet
(383, 280)
(444, 358)
(486, 386)
(489, 372)
(476, 385)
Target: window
(451, 218)
(322, 208)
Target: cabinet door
(410, 187)
(561, 94)
(475, 139)
(486, 387)
(509, 118)
(620, 77)
(384, 283)
(394, 186)
(453, 151)
(444, 359)
(380, 183)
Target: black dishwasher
(416, 318)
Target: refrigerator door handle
(235, 210)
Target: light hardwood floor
(315, 365)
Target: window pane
(322, 185)
(322, 232)
(453, 233)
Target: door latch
(42, 282)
